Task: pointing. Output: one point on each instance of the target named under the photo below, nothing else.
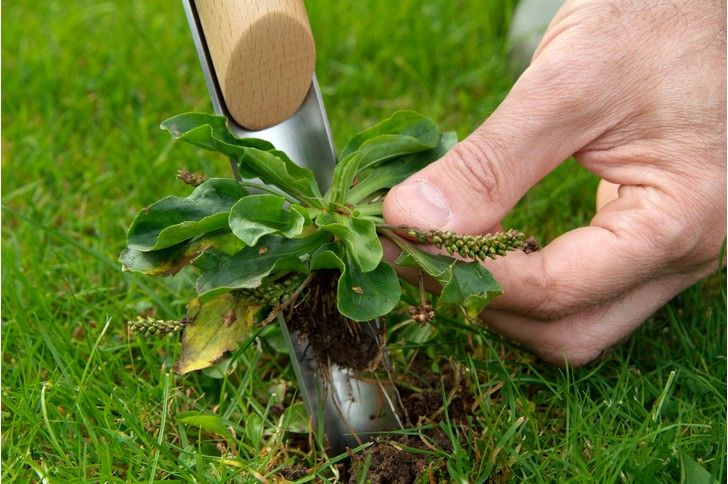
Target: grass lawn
(85, 85)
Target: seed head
(148, 326)
(422, 313)
(273, 293)
(475, 246)
(189, 178)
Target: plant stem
(265, 188)
(370, 208)
(403, 228)
(282, 306)
(421, 280)
(388, 233)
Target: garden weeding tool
(258, 58)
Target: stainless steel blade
(349, 407)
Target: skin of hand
(636, 92)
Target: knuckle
(694, 230)
(475, 165)
(571, 356)
(554, 297)
(664, 235)
(575, 342)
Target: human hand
(637, 94)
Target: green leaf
(257, 158)
(467, 284)
(296, 419)
(214, 327)
(326, 257)
(257, 215)
(276, 168)
(213, 424)
(247, 268)
(222, 367)
(472, 286)
(359, 236)
(363, 296)
(408, 123)
(403, 133)
(193, 127)
(693, 473)
(175, 219)
(395, 171)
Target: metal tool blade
(350, 408)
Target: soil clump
(390, 460)
(332, 338)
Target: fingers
(584, 292)
(553, 111)
(631, 239)
(588, 265)
(477, 182)
(627, 244)
(583, 336)
(575, 334)
(585, 266)
(606, 192)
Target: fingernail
(423, 203)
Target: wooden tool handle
(263, 54)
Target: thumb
(547, 116)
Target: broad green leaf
(257, 215)
(176, 219)
(185, 125)
(363, 296)
(472, 286)
(467, 284)
(326, 257)
(210, 423)
(257, 158)
(403, 133)
(222, 367)
(304, 212)
(693, 473)
(169, 261)
(359, 236)
(395, 171)
(247, 268)
(437, 266)
(272, 335)
(408, 123)
(214, 327)
(254, 426)
(296, 419)
(276, 168)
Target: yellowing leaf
(215, 327)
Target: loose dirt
(393, 460)
(390, 460)
(295, 472)
(332, 337)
